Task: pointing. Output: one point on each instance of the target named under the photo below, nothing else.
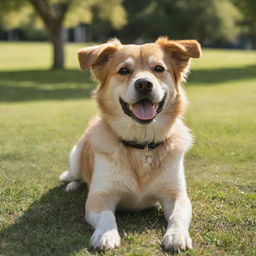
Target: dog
(131, 155)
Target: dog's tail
(73, 173)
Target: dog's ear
(180, 52)
(97, 56)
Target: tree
(57, 14)
(206, 20)
(53, 15)
(248, 23)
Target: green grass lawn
(43, 113)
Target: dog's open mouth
(143, 111)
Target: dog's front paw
(109, 239)
(175, 240)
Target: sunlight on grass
(34, 56)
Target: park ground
(43, 113)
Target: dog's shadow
(55, 225)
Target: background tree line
(212, 22)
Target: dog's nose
(143, 86)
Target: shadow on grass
(30, 85)
(55, 225)
(44, 85)
(215, 76)
(46, 76)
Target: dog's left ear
(95, 57)
(179, 52)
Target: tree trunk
(53, 14)
(57, 40)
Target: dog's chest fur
(143, 165)
(142, 175)
(139, 175)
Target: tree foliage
(55, 14)
(248, 8)
(206, 20)
(13, 14)
(18, 13)
(209, 21)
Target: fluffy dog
(131, 155)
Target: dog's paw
(71, 186)
(65, 176)
(175, 240)
(109, 239)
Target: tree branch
(62, 8)
(52, 14)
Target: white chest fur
(138, 179)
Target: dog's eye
(124, 71)
(159, 69)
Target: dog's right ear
(98, 55)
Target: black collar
(134, 144)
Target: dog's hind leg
(72, 176)
(72, 185)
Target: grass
(42, 115)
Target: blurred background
(215, 23)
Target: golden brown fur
(128, 177)
(107, 111)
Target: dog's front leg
(178, 215)
(101, 204)
(177, 209)
(101, 216)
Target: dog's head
(139, 85)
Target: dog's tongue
(144, 110)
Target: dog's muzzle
(143, 111)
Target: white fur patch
(66, 176)
(103, 175)
(177, 239)
(152, 61)
(73, 173)
(74, 160)
(109, 239)
(178, 214)
(129, 62)
(106, 235)
(71, 186)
